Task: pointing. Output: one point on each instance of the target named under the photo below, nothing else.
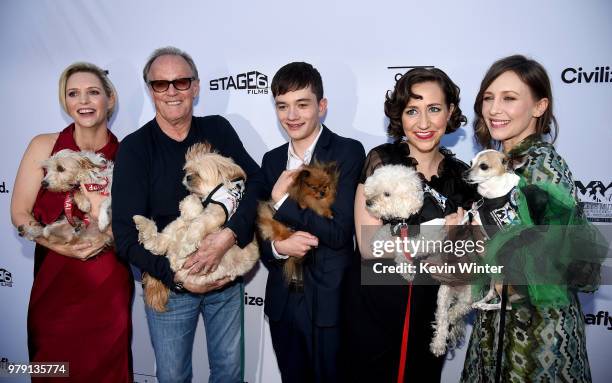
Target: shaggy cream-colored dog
(207, 175)
(395, 193)
(65, 171)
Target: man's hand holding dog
(212, 248)
(297, 245)
(201, 289)
(283, 183)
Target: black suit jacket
(324, 266)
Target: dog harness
(102, 188)
(69, 210)
(227, 198)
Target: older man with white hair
(147, 181)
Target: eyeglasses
(161, 86)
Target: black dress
(374, 315)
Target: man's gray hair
(171, 51)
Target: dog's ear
(302, 175)
(332, 169)
(86, 164)
(227, 169)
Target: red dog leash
(69, 210)
(406, 332)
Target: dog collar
(227, 198)
(98, 187)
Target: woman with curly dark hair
(423, 107)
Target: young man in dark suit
(304, 313)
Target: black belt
(296, 287)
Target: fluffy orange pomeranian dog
(314, 187)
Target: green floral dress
(541, 343)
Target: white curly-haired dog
(395, 193)
(65, 171)
(216, 185)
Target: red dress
(80, 311)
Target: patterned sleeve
(372, 162)
(546, 165)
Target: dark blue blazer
(324, 266)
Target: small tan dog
(65, 171)
(215, 191)
(490, 170)
(314, 187)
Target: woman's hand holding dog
(210, 251)
(454, 218)
(297, 245)
(82, 251)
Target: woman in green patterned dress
(542, 342)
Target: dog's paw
(104, 218)
(82, 202)
(146, 228)
(438, 347)
(103, 222)
(30, 232)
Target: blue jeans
(172, 333)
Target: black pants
(305, 353)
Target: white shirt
(293, 162)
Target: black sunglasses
(161, 86)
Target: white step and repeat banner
(360, 50)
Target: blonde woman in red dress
(79, 309)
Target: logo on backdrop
(401, 70)
(601, 318)
(252, 300)
(3, 188)
(582, 75)
(252, 82)
(596, 200)
(6, 278)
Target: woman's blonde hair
(102, 74)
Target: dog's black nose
(188, 178)
(321, 194)
(44, 184)
(369, 203)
